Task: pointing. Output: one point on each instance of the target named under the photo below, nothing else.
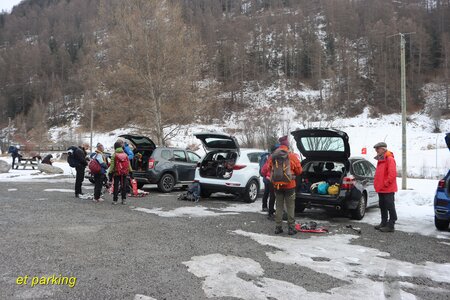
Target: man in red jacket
(285, 191)
(385, 183)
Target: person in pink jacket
(385, 184)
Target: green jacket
(112, 166)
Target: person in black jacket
(47, 159)
(80, 163)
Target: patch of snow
(337, 248)
(143, 297)
(414, 207)
(12, 190)
(15, 175)
(195, 211)
(59, 190)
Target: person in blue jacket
(14, 150)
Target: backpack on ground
(262, 162)
(122, 164)
(94, 166)
(73, 163)
(192, 193)
(281, 168)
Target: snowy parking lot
(157, 247)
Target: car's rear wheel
(360, 210)
(441, 224)
(251, 191)
(166, 183)
(205, 193)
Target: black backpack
(73, 163)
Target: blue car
(442, 199)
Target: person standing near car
(385, 183)
(269, 192)
(99, 178)
(76, 157)
(283, 163)
(118, 170)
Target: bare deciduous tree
(155, 63)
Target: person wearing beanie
(284, 189)
(100, 177)
(385, 184)
(284, 140)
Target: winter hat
(380, 145)
(284, 140)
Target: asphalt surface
(116, 252)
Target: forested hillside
(155, 63)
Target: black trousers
(123, 181)
(98, 183)
(269, 193)
(13, 161)
(387, 207)
(79, 179)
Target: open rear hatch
(218, 141)
(140, 142)
(322, 144)
(223, 151)
(143, 149)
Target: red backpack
(94, 166)
(122, 164)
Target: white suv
(228, 169)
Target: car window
(254, 157)
(166, 154)
(366, 169)
(371, 169)
(323, 143)
(179, 155)
(358, 169)
(193, 157)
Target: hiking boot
(387, 228)
(377, 227)
(271, 217)
(124, 202)
(278, 230)
(291, 230)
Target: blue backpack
(262, 162)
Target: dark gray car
(327, 159)
(164, 166)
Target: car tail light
(348, 182)
(441, 184)
(151, 163)
(238, 167)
